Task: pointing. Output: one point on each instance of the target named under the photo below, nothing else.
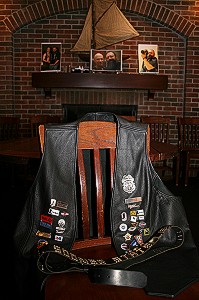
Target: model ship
(105, 25)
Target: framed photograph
(106, 60)
(148, 59)
(51, 57)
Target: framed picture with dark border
(148, 59)
(106, 61)
(51, 57)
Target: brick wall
(172, 25)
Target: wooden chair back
(37, 120)
(188, 137)
(130, 118)
(159, 127)
(9, 127)
(188, 129)
(97, 140)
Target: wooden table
(161, 151)
(30, 148)
(18, 152)
(23, 147)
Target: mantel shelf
(49, 80)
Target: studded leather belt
(114, 271)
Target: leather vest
(140, 204)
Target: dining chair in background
(9, 127)
(160, 132)
(188, 137)
(37, 120)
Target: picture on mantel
(106, 61)
(148, 59)
(51, 57)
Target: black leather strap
(59, 260)
(117, 277)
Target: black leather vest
(140, 203)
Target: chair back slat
(100, 197)
(84, 195)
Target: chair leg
(187, 169)
(164, 168)
(177, 169)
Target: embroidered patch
(133, 200)
(43, 234)
(62, 205)
(128, 184)
(46, 219)
(124, 246)
(123, 227)
(53, 202)
(54, 212)
(127, 236)
(58, 238)
(46, 225)
(61, 226)
(41, 243)
(147, 231)
(124, 216)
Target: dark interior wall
(22, 56)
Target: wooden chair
(159, 132)
(37, 120)
(95, 137)
(99, 138)
(9, 127)
(188, 133)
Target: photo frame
(106, 61)
(148, 59)
(51, 57)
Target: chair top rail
(159, 127)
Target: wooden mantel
(49, 80)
